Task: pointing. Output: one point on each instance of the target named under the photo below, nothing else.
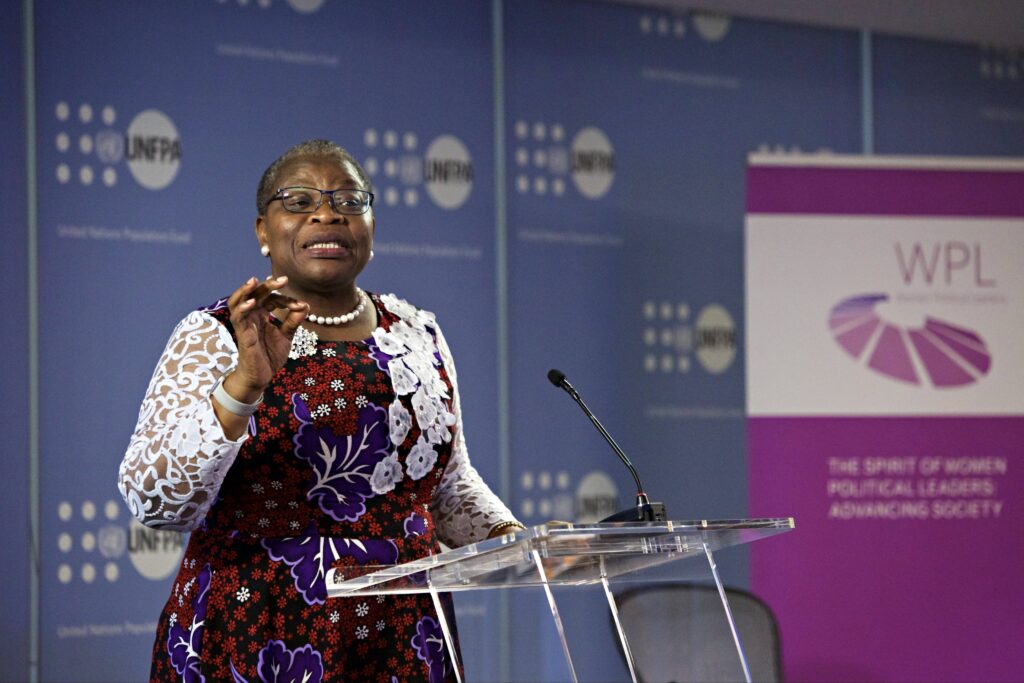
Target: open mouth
(327, 247)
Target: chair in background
(678, 632)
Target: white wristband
(231, 404)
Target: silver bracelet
(233, 405)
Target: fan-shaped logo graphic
(938, 353)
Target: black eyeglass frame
(331, 198)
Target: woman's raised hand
(262, 346)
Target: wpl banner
(885, 413)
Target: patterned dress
(356, 457)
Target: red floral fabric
(304, 496)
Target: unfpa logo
(593, 163)
(300, 6)
(937, 353)
(545, 160)
(93, 543)
(394, 162)
(151, 147)
(448, 172)
(672, 338)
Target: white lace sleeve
(465, 509)
(178, 456)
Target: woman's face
(320, 252)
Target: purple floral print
(414, 525)
(185, 645)
(278, 664)
(429, 646)
(342, 465)
(311, 556)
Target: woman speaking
(298, 425)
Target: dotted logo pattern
(544, 160)
(663, 25)
(1000, 63)
(711, 27)
(545, 495)
(400, 171)
(780, 148)
(87, 144)
(672, 340)
(91, 150)
(95, 552)
(541, 158)
(300, 6)
(94, 545)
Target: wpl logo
(936, 353)
(151, 147)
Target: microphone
(645, 510)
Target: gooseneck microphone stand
(645, 510)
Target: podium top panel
(571, 554)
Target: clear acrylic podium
(570, 555)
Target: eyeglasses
(308, 200)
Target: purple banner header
(884, 191)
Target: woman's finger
(242, 293)
(275, 300)
(269, 298)
(240, 312)
(297, 312)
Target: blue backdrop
(619, 222)
(141, 236)
(14, 338)
(611, 287)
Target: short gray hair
(310, 148)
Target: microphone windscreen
(556, 377)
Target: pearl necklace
(342, 319)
